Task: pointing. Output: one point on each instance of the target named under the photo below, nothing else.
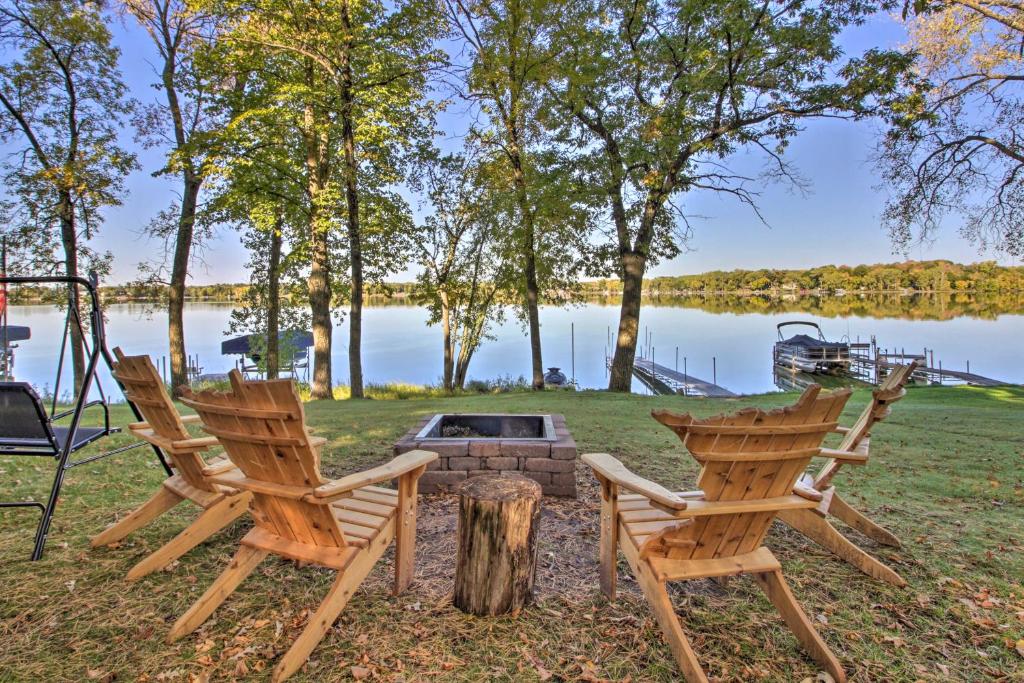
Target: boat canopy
(810, 342)
(14, 333)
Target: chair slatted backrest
(261, 425)
(888, 392)
(143, 387)
(749, 455)
(891, 390)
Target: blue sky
(837, 221)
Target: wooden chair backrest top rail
(261, 425)
(783, 441)
(144, 387)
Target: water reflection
(727, 337)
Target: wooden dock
(880, 364)
(662, 380)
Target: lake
(733, 334)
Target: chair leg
(856, 519)
(212, 520)
(161, 501)
(242, 564)
(344, 587)
(820, 531)
(778, 592)
(661, 604)
(608, 550)
(405, 531)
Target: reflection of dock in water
(662, 380)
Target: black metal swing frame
(62, 448)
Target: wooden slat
(360, 505)
(334, 558)
(374, 522)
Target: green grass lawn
(946, 475)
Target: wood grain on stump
(497, 556)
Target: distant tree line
(912, 276)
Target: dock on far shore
(662, 380)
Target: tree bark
(355, 339)
(448, 378)
(632, 266)
(497, 553)
(319, 280)
(274, 301)
(179, 277)
(69, 240)
(529, 268)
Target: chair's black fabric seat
(84, 436)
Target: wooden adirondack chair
(853, 450)
(345, 524)
(165, 428)
(751, 463)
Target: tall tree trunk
(448, 379)
(179, 278)
(632, 265)
(69, 240)
(355, 322)
(319, 280)
(274, 300)
(533, 312)
(529, 267)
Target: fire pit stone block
(538, 447)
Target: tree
(257, 184)
(655, 97)
(954, 146)
(364, 68)
(459, 248)
(62, 102)
(507, 48)
(181, 123)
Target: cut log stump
(497, 556)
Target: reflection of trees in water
(933, 306)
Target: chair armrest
(317, 442)
(614, 471)
(846, 457)
(840, 430)
(191, 419)
(197, 444)
(403, 464)
(218, 467)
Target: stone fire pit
(536, 446)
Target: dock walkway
(930, 374)
(662, 380)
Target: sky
(836, 222)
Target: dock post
(572, 350)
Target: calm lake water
(398, 346)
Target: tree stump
(497, 556)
